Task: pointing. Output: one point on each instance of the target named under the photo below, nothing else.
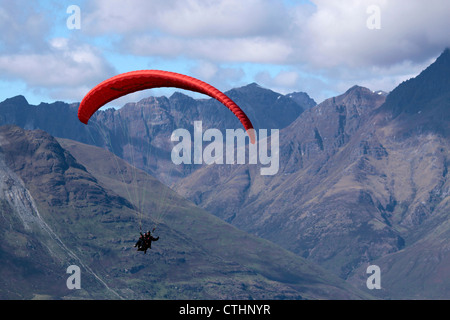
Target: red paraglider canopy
(133, 81)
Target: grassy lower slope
(198, 255)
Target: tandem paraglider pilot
(145, 241)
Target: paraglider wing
(133, 81)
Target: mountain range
(66, 203)
(140, 132)
(363, 180)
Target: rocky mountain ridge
(363, 179)
(140, 132)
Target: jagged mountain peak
(177, 95)
(358, 89)
(358, 96)
(251, 88)
(360, 92)
(414, 95)
(16, 100)
(303, 99)
(252, 85)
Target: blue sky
(322, 47)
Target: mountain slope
(35, 253)
(417, 95)
(76, 212)
(311, 197)
(224, 241)
(361, 181)
(418, 113)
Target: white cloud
(220, 31)
(328, 35)
(283, 82)
(206, 70)
(22, 29)
(58, 67)
(64, 67)
(186, 18)
(331, 34)
(246, 50)
(254, 49)
(337, 32)
(223, 78)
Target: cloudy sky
(322, 47)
